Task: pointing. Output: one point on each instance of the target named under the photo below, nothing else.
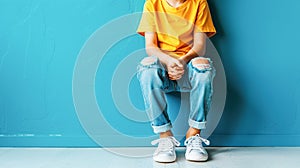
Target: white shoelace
(165, 144)
(195, 142)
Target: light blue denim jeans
(154, 82)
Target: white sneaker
(165, 151)
(194, 149)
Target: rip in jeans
(148, 61)
(199, 64)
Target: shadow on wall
(234, 100)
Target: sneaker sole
(165, 160)
(197, 159)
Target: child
(175, 39)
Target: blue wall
(41, 39)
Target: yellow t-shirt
(175, 26)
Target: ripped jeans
(197, 79)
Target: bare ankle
(192, 132)
(165, 134)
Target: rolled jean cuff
(162, 128)
(197, 125)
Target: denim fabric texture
(154, 82)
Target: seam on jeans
(208, 103)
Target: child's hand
(175, 68)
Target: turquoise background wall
(40, 41)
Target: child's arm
(175, 67)
(198, 49)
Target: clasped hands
(175, 68)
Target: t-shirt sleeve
(147, 22)
(204, 21)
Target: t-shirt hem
(210, 31)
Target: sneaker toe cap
(196, 155)
(164, 157)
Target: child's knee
(201, 64)
(149, 61)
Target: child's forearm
(198, 49)
(155, 51)
(190, 55)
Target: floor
(223, 157)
